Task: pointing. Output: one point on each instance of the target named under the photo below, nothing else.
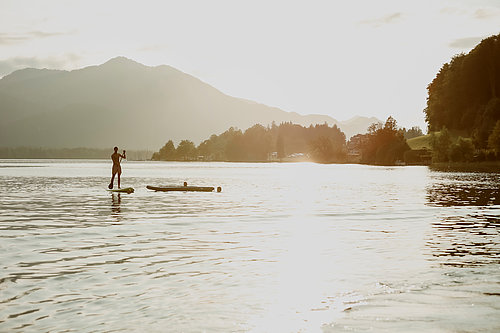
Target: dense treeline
(464, 99)
(320, 143)
(384, 144)
(445, 148)
(413, 132)
(69, 153)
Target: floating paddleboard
(122, 190)
(182, 188)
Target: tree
(413, 132)
(441, 145)
(464, 95)
(280, 146)
(384, 143)
(186, 150)
(235, 148)
(461, 151)
(374, 128)
(494, 138)
(205, 149)
(322, 150)
(258, 141)
(391, 125)
(166, 153)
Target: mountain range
(125, 103)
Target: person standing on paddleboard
(117, 169)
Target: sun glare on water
(308, 287)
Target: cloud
(486, 13)
(6, 38)
(388, 19)
(465, 43)
(10, 65)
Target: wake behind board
(122, 190)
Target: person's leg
(119, 173)
(112, 181)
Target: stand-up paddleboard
(183, 188)
(122, 190)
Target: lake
(291, 247)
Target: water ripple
(284, 247)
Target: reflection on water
(466, 241)
(116, 201)
(466, 237)
(285, 248)
(458, 292)
(465, 190)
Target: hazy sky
(341, 58)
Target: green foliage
(384, 144)
(322, 142)
(280, 146)
(324, 150)
(186, 150)
(166, 153)
(461, 151)
(494, 138)
(413, 132)
(234, 147)
(441, 143)
(447, 149)
(256, 143)
(464, 95)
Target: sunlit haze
(217, 166)
(338, 58)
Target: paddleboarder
(117, 169)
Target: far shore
(487, 166)
(69, 153)
(146, 155)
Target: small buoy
(219, 189)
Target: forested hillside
(464, 97)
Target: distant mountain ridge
(125, 103)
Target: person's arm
(124, 156)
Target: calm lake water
(283, 248)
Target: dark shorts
(117, 169)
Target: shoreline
(482, 167)
(487, 166)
